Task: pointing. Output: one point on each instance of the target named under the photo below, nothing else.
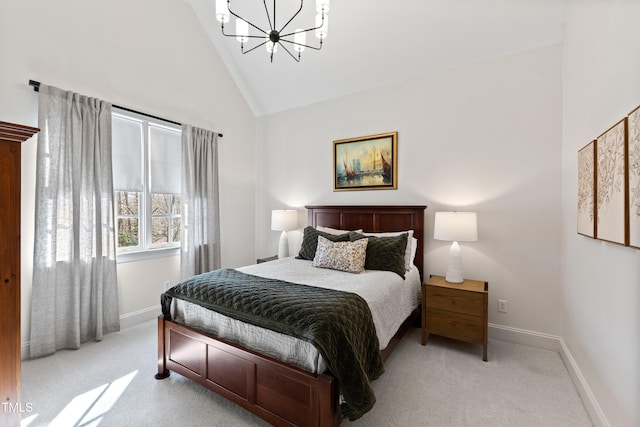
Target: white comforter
(390, 298)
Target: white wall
(601, 281)
(485, 138)
(150, 55)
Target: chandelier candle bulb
(242, 30)
(322, 22)
(300, 38)
(271, 46)
(322, 6)
(222, 11)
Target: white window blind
(165, 160)
(147, 167)
(127, 136)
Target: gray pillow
(310, 241)
(385, 253)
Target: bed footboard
(276, 392)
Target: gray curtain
(74, 295)
(200, 213)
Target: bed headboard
(373, 219)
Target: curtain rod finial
(35, 84)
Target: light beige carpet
(445, 383)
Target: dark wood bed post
(328, 411)
(163, 372)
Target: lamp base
(283, 246)
(454, 269)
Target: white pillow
(343, 256)
(334, 230)
(408, 257)
(414, 248)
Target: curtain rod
(36, 88)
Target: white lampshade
(242, 30)
(455, 227)
(222, 11)
(284, 220)
(322, 6)
(299, 38)
(321, 32)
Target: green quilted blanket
(338, 324)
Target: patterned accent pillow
(343, 256)
(385, 253)
(310, 242)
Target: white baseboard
(555, 343)
(140, 316)
(24, 350)
(589, 400)
(524, 336)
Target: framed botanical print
(587, 190)
(633, 173)
(366, 163)
(611, 184)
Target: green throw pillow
(310, 241)
(385, 253)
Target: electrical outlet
(502, 305)
(167, 285)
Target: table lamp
(455, 227)
(284, 220)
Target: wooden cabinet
(11, 136)
(455, 310)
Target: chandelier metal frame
(274, 36)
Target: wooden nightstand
(271, 258)
(455, 310)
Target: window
(147, 183)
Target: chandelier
(274, 36)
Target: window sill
(149, 254)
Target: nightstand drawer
(455, 325)
(454, 300)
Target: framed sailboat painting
(366, 163)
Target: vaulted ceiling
(373, 43)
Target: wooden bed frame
(281, 394)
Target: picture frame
(633, 177)
(611, 183)
(587, 190)
(366, 163)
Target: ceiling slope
(378, 43)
